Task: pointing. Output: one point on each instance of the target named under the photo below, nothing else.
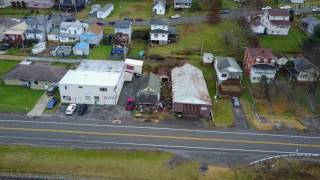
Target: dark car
(52, 103)
(52, 89)
(82, 108)
(5, 47)
(139, 19)
(127, 19)
(101, 23)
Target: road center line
(159, 137)
(160, 128)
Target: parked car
(225, 11)
(235, 101)
(5, 47)
(52, 89)
(316, 9)
(266, 8)
(138, 19)
(176, 16)
(52, 103)
(82, 109)
(287, 7)
(127, 19)
(71, 109)
(112, 23)
(101, 23)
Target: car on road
(235, 101)
(52, 89)
(138, 19)
(317, 10)
(225, 11)
(112, 23)
(52, 103)
(127, 19)
(176, 16)
(101, 23)
(5, 47)
(286, 7)
(82, 108)
(266, 8)
(71, 109)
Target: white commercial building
(93, 82)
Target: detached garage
(190, 95)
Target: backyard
(284, 44)
(16, 98)
(101, 52)
(193, 37)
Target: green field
(284, 44)
(135, 48)
(16, 98)
(105, 164)
(223, 114)
(191, 38)
(101, 52)
(17, 12)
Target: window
(155, 35)
(36, 82)
(163, 35)
(103, 89)
(66, 98)
(223, 75)
(80, 87)
(87, 98)
(163, 27)
(65, 87)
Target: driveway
(240, 121)
(40, 106)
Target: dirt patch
(177, 160)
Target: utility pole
(201, 53)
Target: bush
(140, 35)
(156, 57)
(195, 6)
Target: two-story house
(229, 75)
(260, 64)
(71, 31)
(182, 4)
(276, 21)
(38, 27)
(93, 35)
(123, 31)
(159, 32)
(159, 7)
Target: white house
(182, 4)
(227, 68)
(93, 82)
(257, 27)
(105, 11)
(133, 67)
(71, 31)
(159, 33)
(123, 27)
(276, 21)
(54, 35)
(159, 7)
(39, 48)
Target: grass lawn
(229, 4)
(223, 114)
(101, 52)
(100, 164)
(123, 8)
(19, 51)
(135, 48)
(284, 44)
(16, 98)
(192, 36)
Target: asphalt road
(81, 134)
(225, 14)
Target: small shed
(164, 74)
(149, 90)
(82, 49)
(207, 58)
(39, 48)
(105, 11)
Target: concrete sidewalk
(11, 57)
(40, 106)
